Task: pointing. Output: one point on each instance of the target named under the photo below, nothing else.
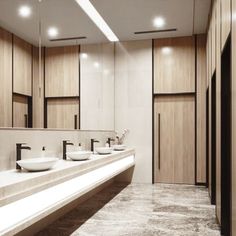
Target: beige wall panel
(174, 65)
(176, 163)
(62, 71)
(213, 40)
(61, 113)
(22, 67)
(38, 90)
(225, 21)
(20, 109)
(5, 78)
(201, 108)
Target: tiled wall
(133, 102)
(97, 86)
(36, 139)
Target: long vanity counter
(77, 178)
(17, 184)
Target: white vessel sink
(79, 155)
(104, 150)
(119, 147)
(38, 164)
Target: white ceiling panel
(123, 16)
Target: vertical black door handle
(75, 124)
(26, 120)
(159, 141)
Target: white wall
(133, 102)
(36, 139)
(97, 86)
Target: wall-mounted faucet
(92, 144)
(109, 140)
(19, 147)
(65, 143)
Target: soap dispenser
(43, 151)
(80, 147)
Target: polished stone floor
(141, 210)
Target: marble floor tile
(141, 210)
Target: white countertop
(18, 215)
(17, 184)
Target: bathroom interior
(118, 117)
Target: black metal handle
(26, 121)
(159, 141)
(75, 122)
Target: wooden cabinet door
(225, 21)
(63, 113)
(5, 79)
(62, 71)
(174, 138)
(174, 65)
(22, 67)
(20, 111)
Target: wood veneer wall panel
(20, 109)
(225, 21)
(174, 65)
(201, 108)
(176, 163)
(62, 71)
(61, 113)
(213, 40)
(5, 78)
(22, 67)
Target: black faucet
(92, 144)
(109, 141)
(19, 147)
(65, 143)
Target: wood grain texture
(22, 67)
(61, 113)
(218, 111)
(20, 109)
(233, 223)
(5, 78)
(174, 65)
(210, 54)
(213, 40)
(177, 139)
(225, 21)
(201, 108)
(38, 90)
(62, 71)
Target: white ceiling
(123, 16)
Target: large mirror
(57, 68)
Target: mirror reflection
(54, 74)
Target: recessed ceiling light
(52, 32)
(24, 11)
(166, 50)
(84, 55)
(90, 10)
(159, 22)
(96, 64)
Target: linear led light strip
(90, 10)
